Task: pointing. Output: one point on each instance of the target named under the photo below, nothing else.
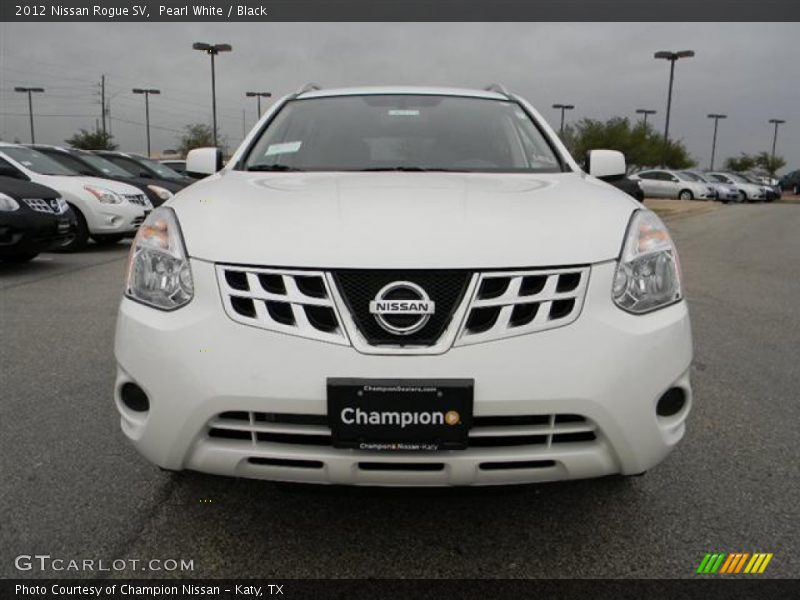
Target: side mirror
(204, 161)
(605, 163)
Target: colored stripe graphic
(734, 563)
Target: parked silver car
(663, 183)
(724, 192)
(748, 192)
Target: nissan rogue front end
(403, 286)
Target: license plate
(400, 414)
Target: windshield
(36, 161)
(692, 176)
(403, 132)
(106, 166)
(738, 178)
(719, 178)
(161, 170)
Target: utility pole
(146, 93)
(776, 122)
(672, 57)
(563, 108)
(103, 102)
(30, 91)
(716, 118)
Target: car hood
(19, 189)
(74, 184)
(402, 220)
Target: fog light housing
(671, 402)
(134, 397)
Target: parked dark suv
(157, 190)
(33, 218)
(791, 182)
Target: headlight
(648, 275)
(159, 273)
(7, 203)
(161, 192)
(103, 195)
(62, 205)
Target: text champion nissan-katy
(403, 286)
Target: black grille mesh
(445, 288)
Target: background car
(748, 191)
(94, 165)
(791, 182)
(176, 164)
(105, 210)
(632, 187)
(724, 192)
(33, 218)
(663, 183)
(146, 168)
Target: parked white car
(105, 210)
(748, 191)
(404, 286)
(663, 183)
(724, 192)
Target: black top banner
(401, 10)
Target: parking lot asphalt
(73, 488)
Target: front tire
(107, 239)
(685, 195)
(742, 196)
(81, 237)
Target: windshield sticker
(397, 112)
(285, 148)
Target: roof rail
(497, 87)
(309, 87)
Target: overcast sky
(748, 71)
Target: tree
(92, 140)
(771, 164)
(641, 145)
(196, 135)
(743, 162)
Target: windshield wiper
(410, 169)
(273, 168)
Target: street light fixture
(146, 93)
(672, 57)
(30, 91)
(776, 122)
(645, 112)
(212, 50)
(563, 108)
(716, 118)
(258, 96)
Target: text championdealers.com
(353, 299)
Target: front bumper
(115, 218)
(26, 231)
(608, 367)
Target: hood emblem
(402, 307)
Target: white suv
(105, 210)
(403, 286)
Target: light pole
(146, 93)
(776, 122)
(212, 50)
(644, 112)
(672, 57)
(30, 91)
(716, 118)
(563, 108)
(258, 96)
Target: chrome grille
(544, 431)
(287, 301)
(507, 304)
(43, 206)
(139, 199)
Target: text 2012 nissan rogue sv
(403, 286)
